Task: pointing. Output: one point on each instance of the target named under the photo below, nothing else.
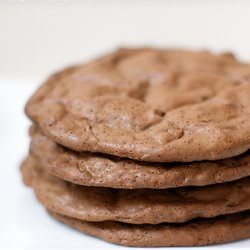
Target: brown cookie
(140, 205)
(107, 171)
(199, 232)
(149, 105)
(28, 171)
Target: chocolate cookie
(149, 105)
(199, 232)
(141, 205)
(108, 171)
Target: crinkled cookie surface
(149, 105)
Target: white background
(39, 37)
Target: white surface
(40, 36)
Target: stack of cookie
(145, 147)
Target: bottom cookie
(198, 232)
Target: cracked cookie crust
(149, 105)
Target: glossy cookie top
(149, 105)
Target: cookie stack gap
(145, 147)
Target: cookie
(141, 205)
(107, 171)
(149, 105)
(28, 171)
(199, 232)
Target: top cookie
(149, 105)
